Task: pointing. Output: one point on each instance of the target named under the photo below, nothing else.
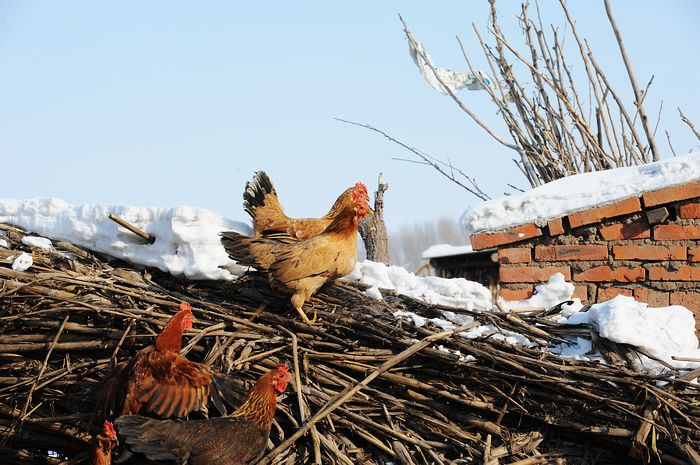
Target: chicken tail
(224, 393)
(145, 435)
(257, 252)
(261, 203)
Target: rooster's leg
(306, 318)
(298, 300)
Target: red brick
(688, 299)
(619, 231)
(690, 210)
(694, 254)
(594, 215)
(607, 293)
(622, 274)
(691, 301)
(684, 273)
(671, 194)
(558, 253)
(580, 292)
(652, 297)
(508, 236)
(649, 252)
(515, 294)
(531, 274)
(515, 255)
(674, 232)
(555, 227)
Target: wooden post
(372, 228)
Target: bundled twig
(365, 388)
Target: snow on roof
(446, 250)
(580, 192)
(187, 238)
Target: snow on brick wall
(649, 251)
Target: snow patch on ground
(546, 296)
(457, 292)
(22, 262)
(663, 332)
(187, 238)
(582, 191)
(36, 241)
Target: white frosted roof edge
(580, 192)
(446, 250)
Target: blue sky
(173, 102)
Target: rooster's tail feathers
(261, 203)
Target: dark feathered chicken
(239, 439)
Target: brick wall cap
(669, 180)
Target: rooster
(105, 443)
(238, 439)
(300, 268)
(158, 380)
(261, 203)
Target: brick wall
(647, 247)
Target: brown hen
(158, 380)
(106, 441)
(300, 268)
(260, 201)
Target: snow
(22, 262)
(187, 243)
(187, 238)
(546, 296)
(580, 192)
(36, 241)
(663, 331)
(457, 292)
(446, 250)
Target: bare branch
(690, 124)
(633, 80)
(429, 160)
(670, 145)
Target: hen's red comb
(185, 306)
(282, 367)
(361, 186)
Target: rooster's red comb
(108, 430)
(282, 367)
(185, 306)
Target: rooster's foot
(305, 318)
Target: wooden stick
(122, 222)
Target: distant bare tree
(408, 244)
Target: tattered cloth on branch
(456, 401)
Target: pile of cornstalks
(367, 387)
